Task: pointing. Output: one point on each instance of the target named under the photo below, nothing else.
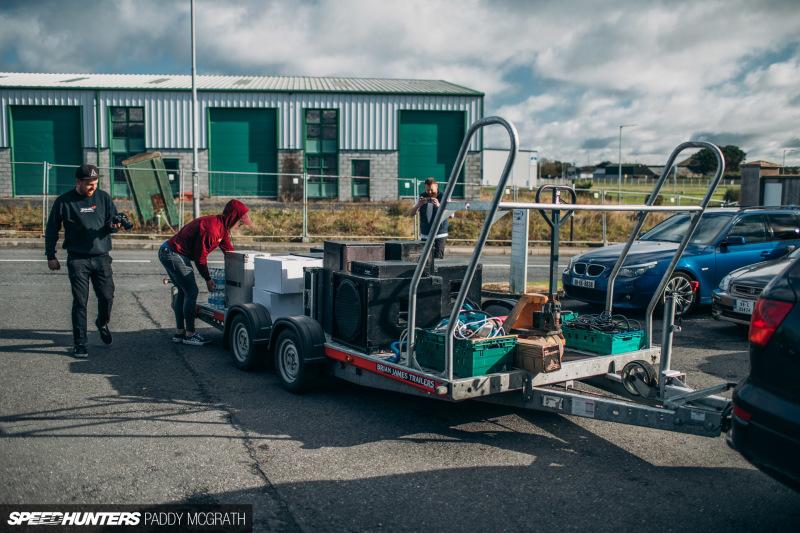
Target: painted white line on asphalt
(45, 260)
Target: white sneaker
(196, 340)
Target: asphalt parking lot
(147, 422)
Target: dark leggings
(180, 271)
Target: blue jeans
(180, 271)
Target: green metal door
(45, 133)
(428, 144)
(243, 141)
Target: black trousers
(81, 270)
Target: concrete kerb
(282, 247)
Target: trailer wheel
(293, 373)
(246, 355)
(641, 370)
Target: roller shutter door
(45, 133)
(243, 141)
(428, 144)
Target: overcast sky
(566, 73)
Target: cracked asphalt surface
(146, 421)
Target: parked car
(766, 405)
(738, 292)
(725, 239)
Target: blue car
(725, 239)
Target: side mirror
(789, 249)
(733, 241)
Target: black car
(738, 292)
(766, 405)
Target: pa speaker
(453, 274)
(371, 313)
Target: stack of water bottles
(216, 299)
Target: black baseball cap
(87, 172)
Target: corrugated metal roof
(233, 83)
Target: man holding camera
(88, 216)
(427, 205)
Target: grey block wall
(6, 186)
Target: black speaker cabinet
(452, 274)
(369, 314)
(313, 293)
(384, 269)
(403, 250)
(339, 254)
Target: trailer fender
(258, 319)
(309, 334)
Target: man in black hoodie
(86, 213)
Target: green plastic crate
(602, 343)
(470, 357)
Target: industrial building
(353, 138)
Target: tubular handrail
(437, 221)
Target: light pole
(619, 176)
(785, 151)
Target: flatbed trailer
(638, 387)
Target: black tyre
(641, 370)
(293, 373)
(246, 355)
(686, 298)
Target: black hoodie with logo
(86, 221)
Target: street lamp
(785, 151)
(619, 176)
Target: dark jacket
(202, 235)
(425, 224)
(86, 221)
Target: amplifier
(369, 314)
(404, 250)
(339, 254)
(384, 269)
(453, 273)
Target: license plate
(743, 306)
(588, 283)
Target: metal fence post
(414, 199)
(603, 202)
(44, 196)
(305, 207)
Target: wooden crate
(539, 354)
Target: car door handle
(765, 253)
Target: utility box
(239, 276)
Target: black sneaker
(178, 338)
(80, 351)
(105, 334)
(196, 340)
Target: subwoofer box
(337, 256)
(369, 314)
(452, 274)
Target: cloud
(567, 74)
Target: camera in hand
(122, 219)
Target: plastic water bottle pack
(216, 299)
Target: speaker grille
(348, 310)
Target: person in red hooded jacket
(193, 243)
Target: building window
(360, 169)
(321, 149)
(173, 168)
(127, 140)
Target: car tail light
(741, 414)
(767, 316)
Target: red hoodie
(199, 237)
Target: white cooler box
(290, 304)
(239, 275)
(282, 274)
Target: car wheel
(685, 298)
